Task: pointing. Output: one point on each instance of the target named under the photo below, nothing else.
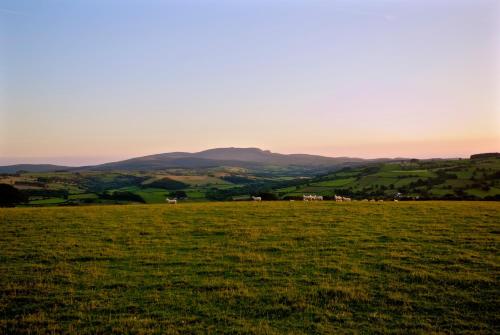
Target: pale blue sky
(91, 81)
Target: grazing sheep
(396, 200)
(312, 197)
(171, 201)
(307, 197)
(256, 198)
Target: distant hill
(32, 168)
(239, 157)
(252, 158)
(268, 157)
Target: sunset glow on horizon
(86, 82)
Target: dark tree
(178, 194)
(267, 196)
(122, 196)
(168, 184)
(11, 196)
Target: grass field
(263, 268)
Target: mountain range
(236, 157)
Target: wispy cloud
(11, 12)
(386, 17)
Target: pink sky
(81, 84)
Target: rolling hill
(237, 157)
(473, 179)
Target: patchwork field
(258, 268)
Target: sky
(85, 82)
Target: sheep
(396, 200)
(171, 201)
(312, 197)
(256, 198)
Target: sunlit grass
(264, 268)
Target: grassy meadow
(251, 268)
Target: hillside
(477, 178)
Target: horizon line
(98, 160)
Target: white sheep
(312, 197)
